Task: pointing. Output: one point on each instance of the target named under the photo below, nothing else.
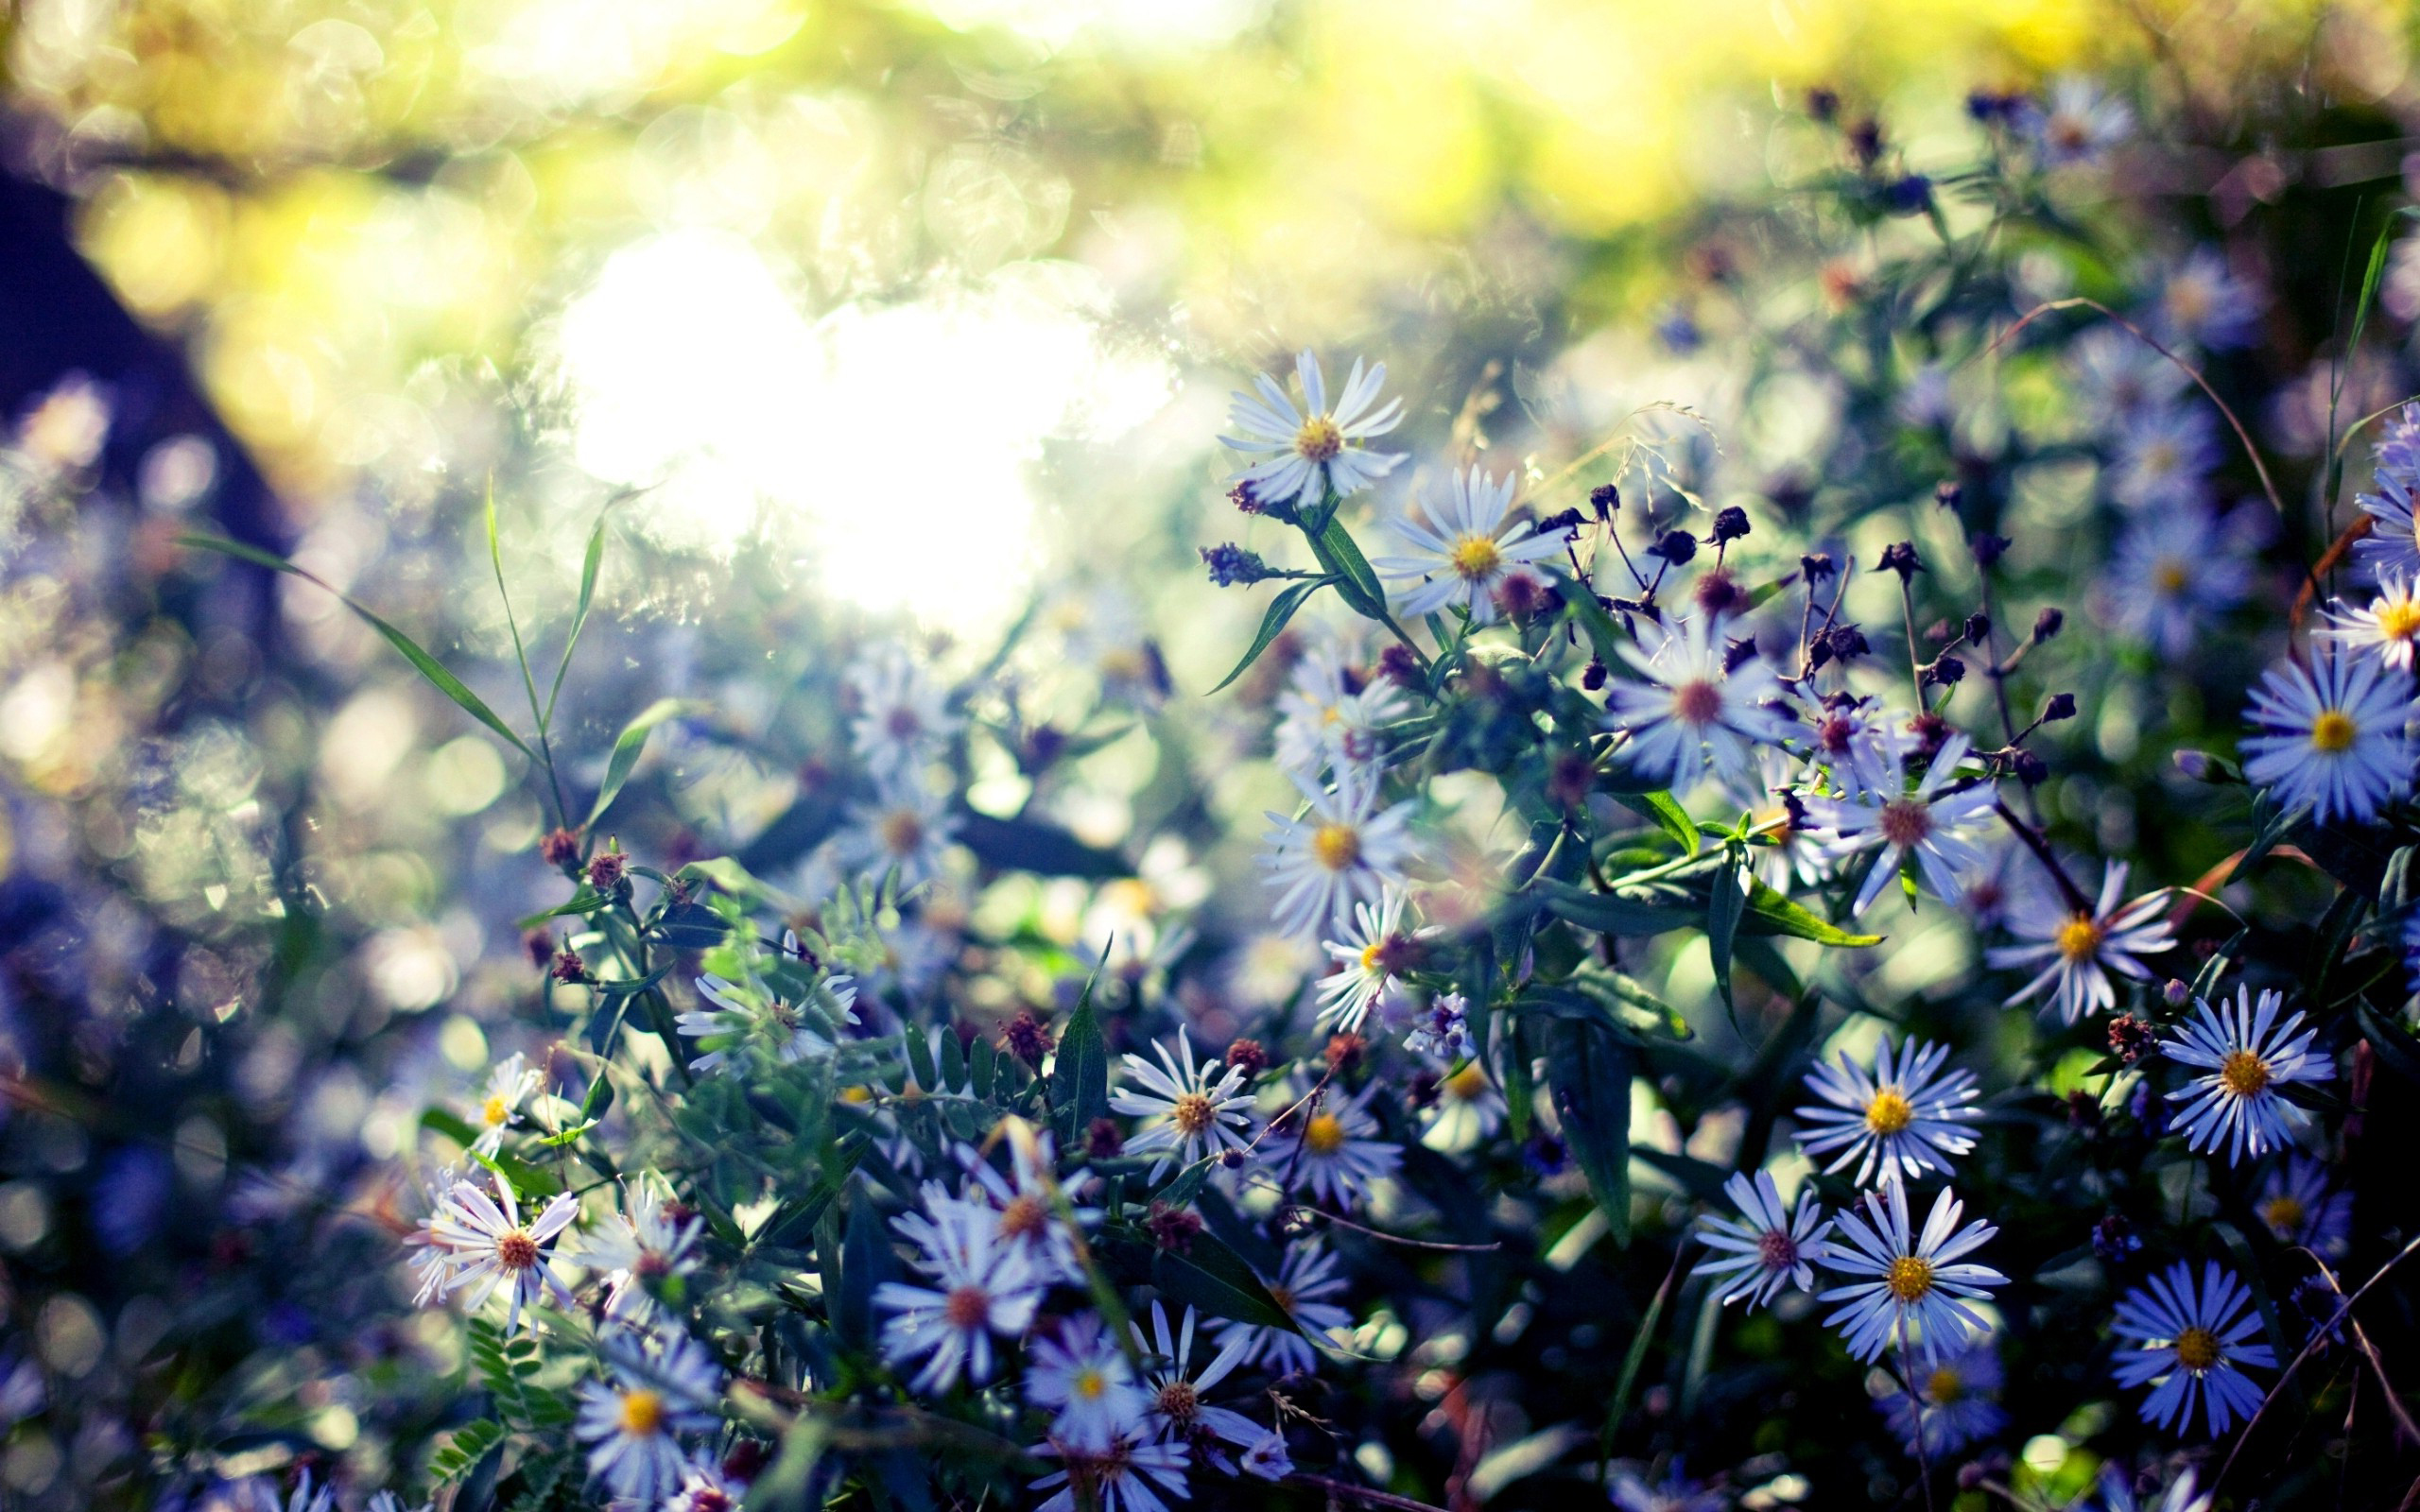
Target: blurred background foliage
(856, 294)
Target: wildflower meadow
(1783, 881)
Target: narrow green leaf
(1725, 902)
(1769, 913)
(1358, 584)
(585, 901)
(1610, 914)
(2394, 1045)
(865, 1264)
(1635, 1357)
(628, 746)
(1604, 636)
(1217, 1280)
(1079, 1075)
(1281, 609)
(589, 566)
(1589, 1071)
(1667, 814)
(428, 665)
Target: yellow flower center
(1890, 1112)
(2333, 731)
(2189, 301)
(899, 832)
(1910, 1278)
(1091, 1383)
(2398, 619)
(2282, 1212)
(1192, 1115)
(2197, 1350)
(642, 1414)
(2161, 458)
(2171, 575)
(1476, 558)
(1467, 1085)
(1319, 440)
(1370, 954)
(1324, 1134)
(1906, 821)
(1336, 847)
(2243, 1074)
(2079, 938)
(1944, 1387)
(1024, 1217)
(515, 1249)
(1179, 1402)
(495, 1112)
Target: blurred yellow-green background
(328, 202)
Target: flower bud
(1731, 524)
(1946, 494)
(1677, 546)
(2048, 623)
(1979, 629)
(1945, 672)
(2061, 706)
(1900, 558)
(1988, 549)
(560, 849)
(1230, 564)
(2031, 769)
(1606, 499)
(1818, 566)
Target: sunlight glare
(893, 444)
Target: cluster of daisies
(1836, 778)
(1002, 1279)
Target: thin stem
(2041, 849)
(1358, 1493)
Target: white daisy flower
(2082, 949)
(908, 827)
(1916, 1297)
(2202, 301)
(1336, 1151)
(1938, 824)
(2297, 1207)
(2244, 1055)
(1313, 450)
(902, 721)
(2117, 1494)
(1993, 890)
(2335, 736)
(704, 1488)
(2387, 627)
(1129, 1476)
(660, 1384)
(1629, 1491)
(1267, 1457)
(1027, 1215)
(1463, 552)
(2392, 544)
(1191, 1115)
(1906, 1118)
(1861, 745)
(746, 1019)
(2183, 1342)
(1368, 959)
(985, 1285)
(389, 1501)
(509, 1085)
(2172, 572)
(487, 1246)
(1176, 1413)
(2117, 375)
(653, 1239)
(2078, 123)
(1468, 1111)
(1307, 1278)
(2165, 458)
(1083, 1376)
(1787, 853)
(1768, 1246)
(1690, 716)
(1955, 1404)
(1329, 717)
(1346, 849)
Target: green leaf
(588, 567)
(448, 1124)
(2394, 1045)
(428, 666)
(1589, 1070)
(1079, 1075)
(2274, 827)
(690, 926)
(1667, 814)
(1635, 1357)
(585, 901)
(1217, 1280)
(1769, 913)
(1725, 902)
(628, 746)
(1358, 583)
(1604, 637)
(1611, 914)
(865, 1264)
(1281, 609)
